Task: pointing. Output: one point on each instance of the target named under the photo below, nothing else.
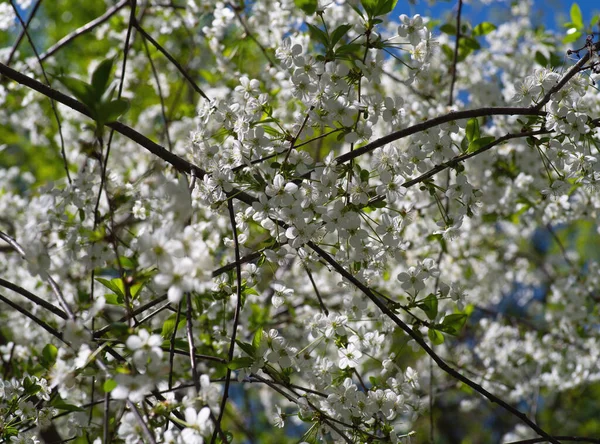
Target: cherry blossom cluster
(328, 231)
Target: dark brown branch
(33, 298)
(34, 318)
(451, 116)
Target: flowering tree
(295, 221)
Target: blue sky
(551, 13)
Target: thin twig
(312, 281)
(101, 331)
(190, 338)
(34, 318)
(160, 95)
(52, 105)
(14, 48)
(33, 298)
(83, 29)
(171, 59)
(172, 344)
(236, 317)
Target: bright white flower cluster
(341, 187)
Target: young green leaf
(101, 76)
(115, 285)
(257, 338)
(109, 385)
(572, 35)
(81, 90)
(483, 29)
(436, 337)
(338, 33)
(430, 306)
(448, 28)
(453, 323)
(169, 325)
(49, 354)
(385, 7)
(246, 347)
(308, 6)
(370, 7)
(576, 17)
(111, 111)
(243, 362)
(318, 35)
(477, 144)
(469, 43)
(472, 129)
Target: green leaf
(257, 338)
(469, 43)
(378, 204)
(114, 299)
(243, 362)
(385, 7)
(246, 347)
(62, 405)
(430, 306)
(81, 90)
(356, 9)
(576, 17)
(453, 323)
(448, 28)
(338, 33)
(483, 29)
(364, 175)
(308, 6)
(115, 285)
(312, 435)
(448, 52)
(49, 354)
(572, 36)
(472, 129)
(541, 59)
(31, 388)
(111, 111)
(101, 76)
(109, 385)
(318, 35)
(476, 145)
(169, 325)
(349, 49)
(136, 288)
(370, 7)
(436, 337)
